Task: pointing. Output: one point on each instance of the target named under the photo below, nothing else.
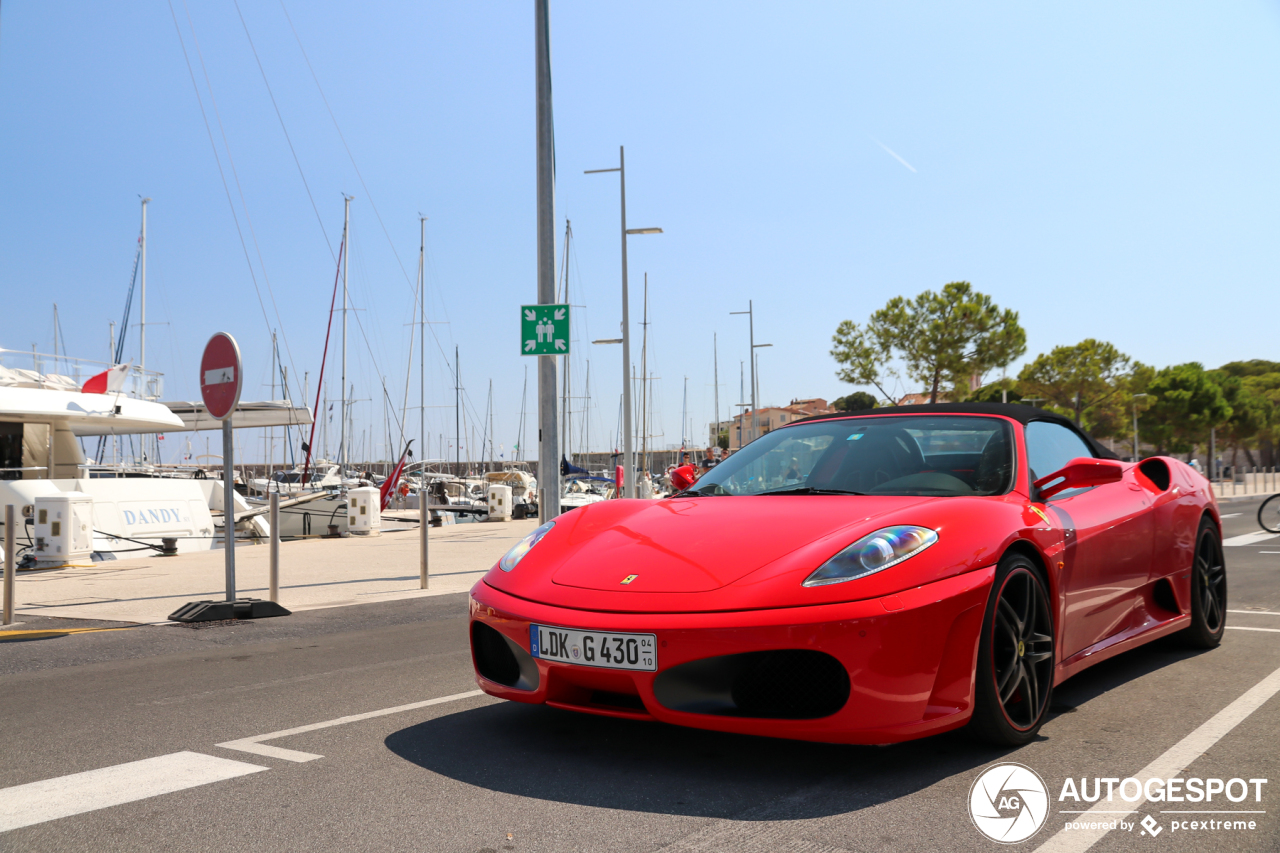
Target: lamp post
(751, 324)
(628, 451)
(1135, 428)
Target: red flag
(108, 381)
(388, 487)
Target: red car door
(1108, 531)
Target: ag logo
(1008, 803)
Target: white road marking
(1231, 515)
(256, 746)
(1243, 628)
(50, 799)
(1173, 761)
(1254, 538)
(1249, 538)
(1257, 612)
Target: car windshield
(904, 455)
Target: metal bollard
(274, 582)
(424, 522)
(10, 567)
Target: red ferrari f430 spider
(860, 578)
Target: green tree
(944, 337)
(1090, 381)
(1000, 391)
(1252, 367)
(857, 401)
(1251, 412)
(1185, 404)
(1266, 386)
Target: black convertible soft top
(1020, 412)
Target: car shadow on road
(562, 756)
(1122, 669)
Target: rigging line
(243, 203)
(372, 358)
(218, 160)
(287, 138)
(351, 156)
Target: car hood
(699, 544)
(729, 553)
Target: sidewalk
(1248, 484)
(314, 573)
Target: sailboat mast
(491, 425)
(457, 410)
(566, 446)
(524, 398)
(142, 325)
(644, 384)
(684, 414)
(342, 429)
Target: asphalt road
(471, 774)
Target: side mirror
(1080, 474)
(683, 477)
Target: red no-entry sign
(220, 376)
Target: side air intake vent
(1157, 472)
(500, 660)
(786, 684)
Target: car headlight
(873, 553)
(517, 552)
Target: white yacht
(45, 472)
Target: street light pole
(548, 427)
(1135, 424)
(628, 446)
(751, 325)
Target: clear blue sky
(1107, 170)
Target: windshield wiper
(809, 490)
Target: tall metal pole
(548, 438)
(457, 411)
(751, 322)
(342, 434)
(142, 325)
(422, 372)
(628, 448)
(229, 508)
(273, 562)
(1135, 431)
(10, 555)
(715, 361)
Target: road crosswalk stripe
(64, 796)
(1255, 538)
(1174, 760)
(256, 746)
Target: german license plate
(594, 648)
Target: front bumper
(910, 658)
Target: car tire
(1208, 590)
(1016, 660)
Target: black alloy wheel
(1015, 657)
(1208, 590)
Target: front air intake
(500, 660)
(784, 684)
